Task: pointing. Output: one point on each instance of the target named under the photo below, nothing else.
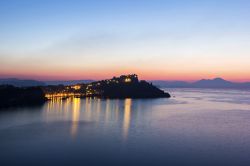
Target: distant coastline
(216, 83)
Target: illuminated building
(128, 80)
(76, 87)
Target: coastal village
(88, 90)
(124, 86)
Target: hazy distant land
(218, 83)
(204, 83)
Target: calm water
(196, 127)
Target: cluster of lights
(79, 91)
(76, 87)
(127, 80)
(55, 95)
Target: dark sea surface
(194, 127)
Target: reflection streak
(75, 115)
(127, 116)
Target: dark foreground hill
(137, 89)
(14, 96)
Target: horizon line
(92, 79)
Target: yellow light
(76, 87)
(127, 80)
(75, 116)
(127, 116)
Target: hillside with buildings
(125, 86)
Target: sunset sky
(95, 39)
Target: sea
(193, 127)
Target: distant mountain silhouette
(69, 82)
(21, 83)
(214, 83)
(28, 83)
(171, 84)
(204, 83)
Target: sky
(96, 39)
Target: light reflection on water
(91, 109)
(126, 121)
(75, 115)
(195, 127)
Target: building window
(127, 79)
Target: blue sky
(178, 39)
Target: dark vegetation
(11, 96)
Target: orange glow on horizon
(109, 73)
